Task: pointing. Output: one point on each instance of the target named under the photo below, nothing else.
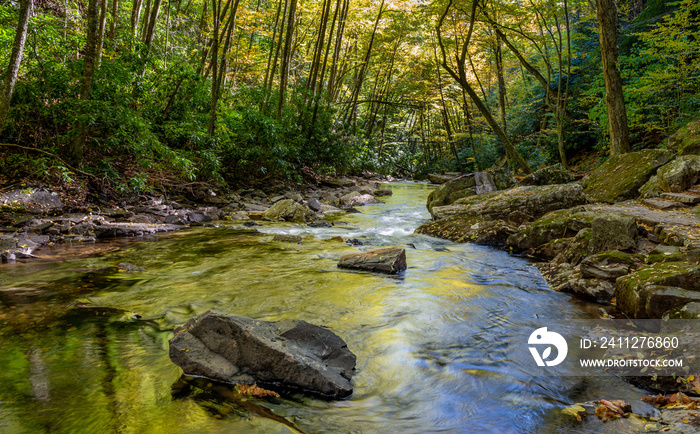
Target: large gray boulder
(34, 200)
(532, 200)
(290, 353)
(390, 261)
(289, 210)
(470, 185)
(680, 174)
(550, 175)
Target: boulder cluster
(627, 235)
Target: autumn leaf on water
(254, 391)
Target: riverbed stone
(621, 176)
(114, 230)
(285, 238)
(680, 174)
(290, 353)
(634, 291)
(390, 261)
(438, 178)
(289, 210)
(452, 190)
(687, 311)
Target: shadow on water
(432, 342)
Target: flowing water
(431, 343)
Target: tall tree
(8, 84)
(77, 148)
(460, 76)
(614, 98)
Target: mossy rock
(534, 201)
(680, 174)
(578, 248)
(613, 231)
(564, 223)
(607, 265)
(663, 253)
(651, 188)
(687, 139)
(621, 176)
(550, 175)
(688, 311)
(466, 229)
(633, 291)
(452, 190)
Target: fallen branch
(12, 145)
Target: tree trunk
(101, 31)
(8, 84)
(498, 54)
(461, 78)
(115, 16)
(614, 98)
(286, 56)
(77, 148)
(135, 15)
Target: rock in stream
(289, 353)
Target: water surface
(431, 343)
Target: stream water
(431, 342)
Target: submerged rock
(389, 261)
(289, 353)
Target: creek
(431, 342)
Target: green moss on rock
(687, 139)
(632, 292)
(621, 176)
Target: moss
(615, 256)
(621, 176)
(687, 139)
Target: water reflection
(431, 343)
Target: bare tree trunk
(363, 69)
(461, 77)
(115, 17)
(286, 56)
(216, 10)
(77, 148)
(8, 83)
(135, 15)
(614, 98)
(150, 32)
(498, 54)
(101, 31)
